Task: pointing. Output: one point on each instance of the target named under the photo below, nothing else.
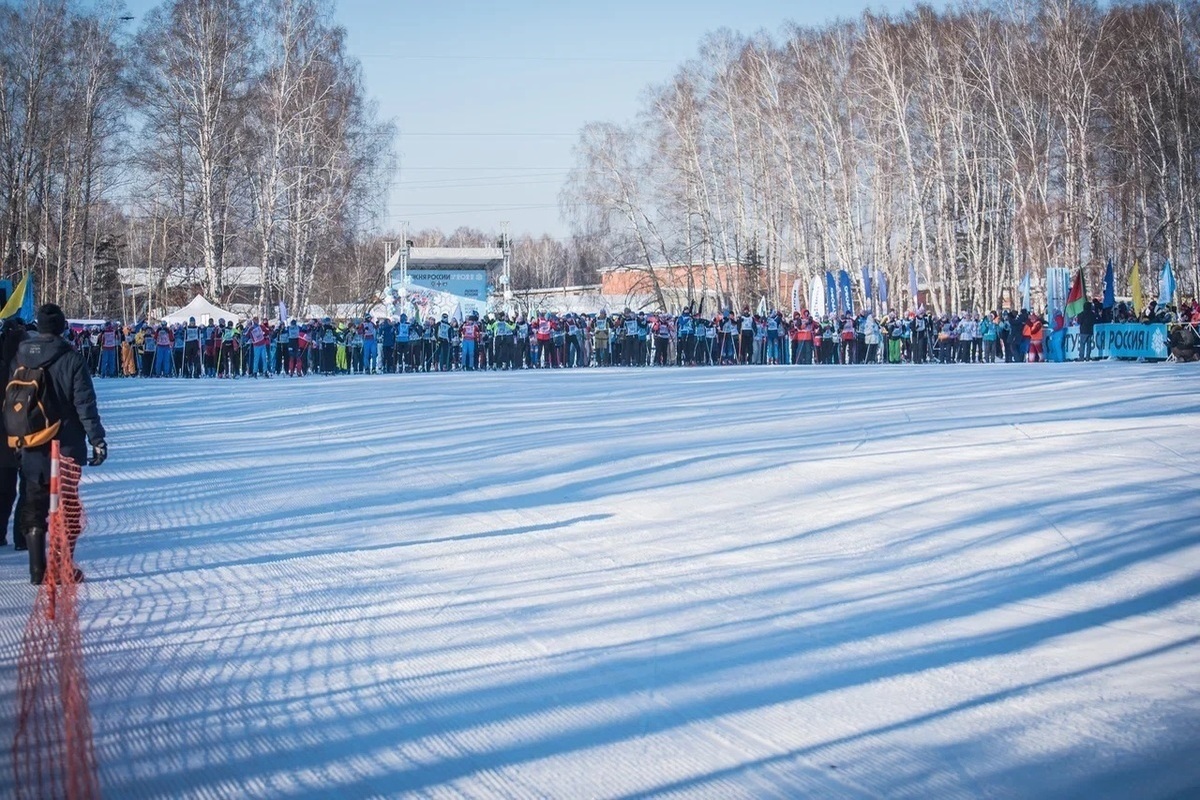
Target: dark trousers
(685, 350)
(8, 498)
(1086, 342)
(191, 360)
(35, 478)
(661, 349)
(35, 507)
(225, 359)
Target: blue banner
(868, 289)
(831, 301)
(28, 304)
(1127, 340)
(845, 293)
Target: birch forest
(207, 136)
(976, 143)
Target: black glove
(99, 453)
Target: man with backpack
(49, 397)
(12, 333)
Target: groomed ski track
(910, 582)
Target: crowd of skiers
(257, 347)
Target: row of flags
(1078, 294)
(830, 294)
(833, 294)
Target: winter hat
(50, 319)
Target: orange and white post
(51, 573)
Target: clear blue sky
(488, 96)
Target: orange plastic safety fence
(53, 753)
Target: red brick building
(723, 285)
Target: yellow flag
(1135, 287)
(14, 304)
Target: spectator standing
(72, 399)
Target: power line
(632, 168)
(469, 183)
(465, 210)
(566, 59)
(472, 205)
(471, 169)
(404, 133)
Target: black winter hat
(51, 319)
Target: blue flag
(1166, 286)
(881, 289)
(868, 289)
(29, 305)
(1110, 292)
(846, 292)
(831, 294)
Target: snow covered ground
(823, 582)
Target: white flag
(816, 296)
(796, 296)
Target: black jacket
(73, 393)
(1087, 320)
(8, 456)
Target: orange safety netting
(53, 754)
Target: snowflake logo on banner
(1158, 343)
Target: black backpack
(31, 417)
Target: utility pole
(404, 253)
(506, 276)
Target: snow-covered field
(824, 582)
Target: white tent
(202, 310)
